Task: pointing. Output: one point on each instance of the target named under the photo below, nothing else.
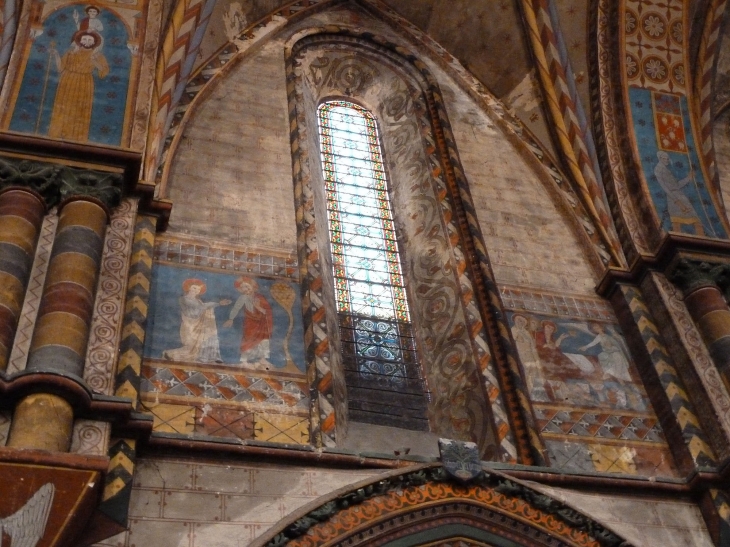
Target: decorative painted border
(218, 256)
(719, 399)
(682, 408)
(106, 324)
(608, 108)
(188, 23)
(572, 130)
(578, 307)
(131, 347)
(703, 82)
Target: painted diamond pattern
(221, 386)
(590, 424)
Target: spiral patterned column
(45, 421)
(21, 217)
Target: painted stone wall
(224, 352)
(231, 179)
(81, 71)
(641, 520)
(189, 503)
(529, 244)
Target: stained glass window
(377, 339)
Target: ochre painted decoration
(588, 399)
(654, 60)
(79, 71)
(37, 503)
(224, 348)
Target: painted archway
(425, 506)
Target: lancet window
(382, 373)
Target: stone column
(21, 216)
(44, 421)
(707, 305)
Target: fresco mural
(589, 402)
(78, 71)
(224, 351)
(238, 321)
(669, 160)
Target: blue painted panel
(662, 127)
(197, 328)
(35, 103)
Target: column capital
(690, 275)
(56, 182)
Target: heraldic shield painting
(224, 351)
(78, 69)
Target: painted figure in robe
(680, 209)
(613, 356)
(527, 350)
(91, 21)
(72, 106)
(198, 330)
(258, 324)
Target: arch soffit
(422, 499)
(218, 66)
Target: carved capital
(690, 275)
(57, 182)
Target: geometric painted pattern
(570, 123)
(233, 424)
(520, 298)
(220, 386)
(594, 423)
(676, 393)
(210, 256)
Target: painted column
(708, 308)
(44, 421)
(21, 217)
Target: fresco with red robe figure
(224, 348)
(229, 319)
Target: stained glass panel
(381, 368)
(364, 249)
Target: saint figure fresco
(258, 323)
(680, 209)
(71, 116)
(68, 88)
(198, 330)
(585, 363)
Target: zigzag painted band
(703, 81)
(118, 480)
(685, 415)
(564, 106)
(21, 217)
(131, 347)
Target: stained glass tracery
(378, 346)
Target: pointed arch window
(382, 372)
